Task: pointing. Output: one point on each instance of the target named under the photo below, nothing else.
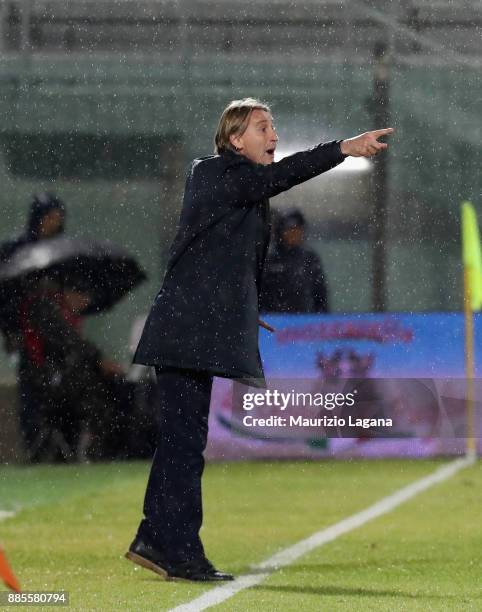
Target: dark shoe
(198, 570)
(147, 556)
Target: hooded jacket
(41, 205)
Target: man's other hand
(365, 145)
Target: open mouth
(270, 151)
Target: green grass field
(74, 523)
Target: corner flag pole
(469, 362)
(472, 260)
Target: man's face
(51, 223)
(258, 142)
(293, 236)
(76, 301)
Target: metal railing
(225, 27)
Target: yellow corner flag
(472, 301)
(472, 256)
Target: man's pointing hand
(365, 145)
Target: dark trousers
(173, 505)
(29, 413)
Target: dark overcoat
(205, 316)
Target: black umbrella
(104, 270)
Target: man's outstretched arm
(245, 182)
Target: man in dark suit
(204, 320)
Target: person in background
(293, 279)
(46, 220)
(67, 376)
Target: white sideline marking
(264, 569)
(4, 514)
